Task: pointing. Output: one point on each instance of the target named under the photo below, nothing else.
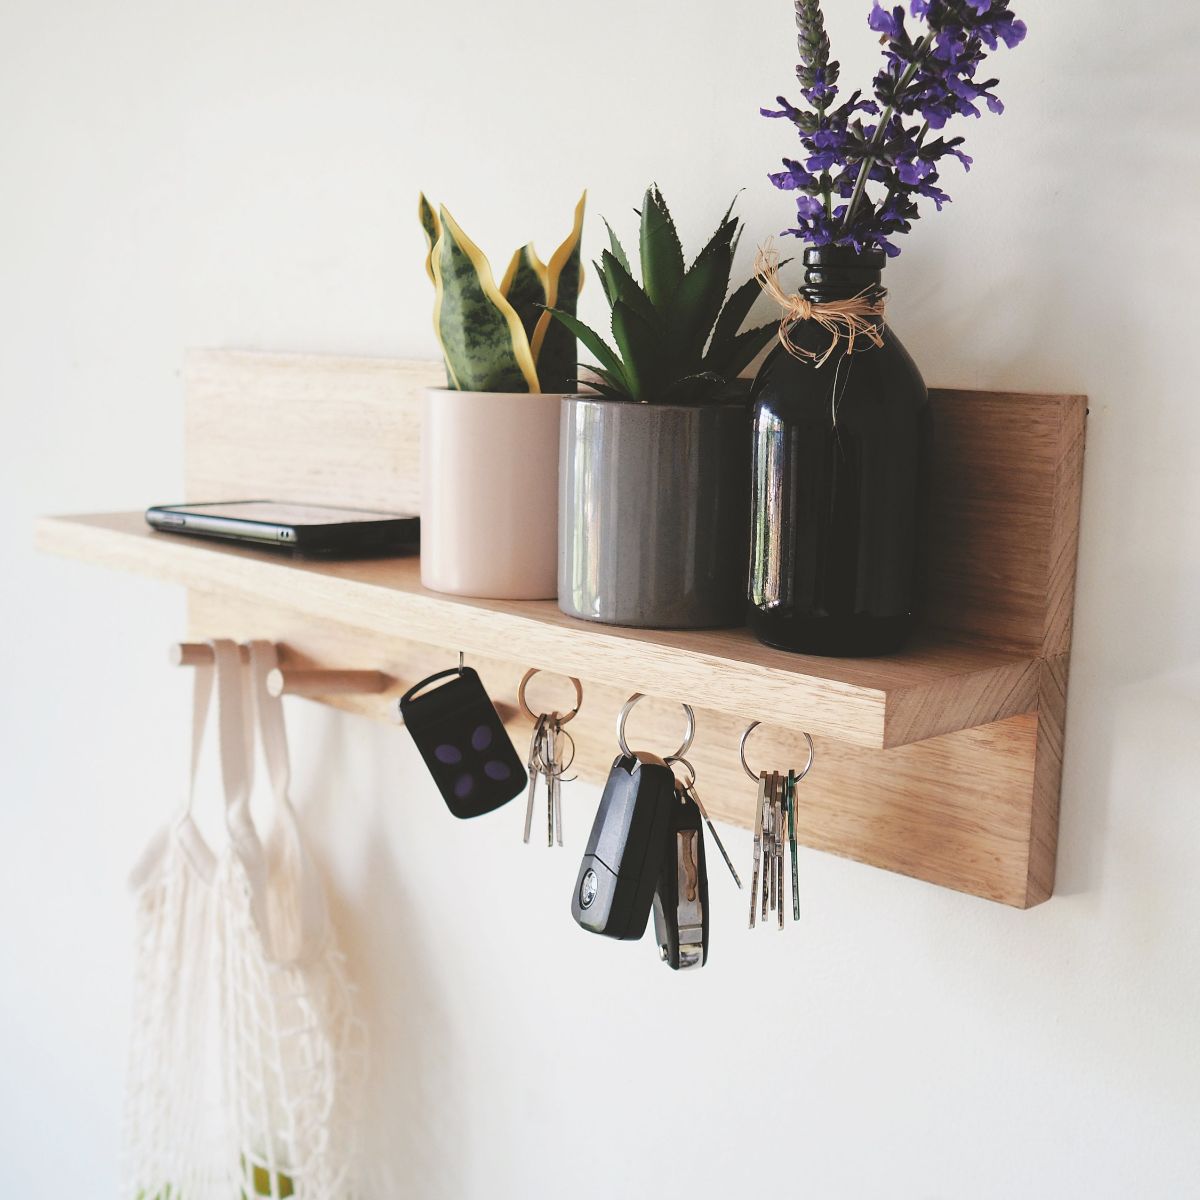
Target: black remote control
(463, 742)
(624, 854)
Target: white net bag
(246, 1055)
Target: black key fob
(621, 864)
(681, 898)
(463, 742)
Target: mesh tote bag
(246, 1057)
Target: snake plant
(500, 337)
(678, 340)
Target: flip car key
(681, 899)
(463, 742)
(621, 865)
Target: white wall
(246, 175)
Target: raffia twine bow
(860, 316)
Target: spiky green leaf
(638, 341)
(662, 255)
(617, 249)
(696, 305)
(606, 285)
(626, 288)
(740, 352)
(694, 389)
(595, 343)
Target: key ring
(562, 767)
(746, 766)
(687, 737)
(533, 716)
(683, 762)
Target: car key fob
(463, 742)
(681, 898)
(621, 865)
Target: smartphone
(302, 528)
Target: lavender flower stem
(868, 161)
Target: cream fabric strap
(302, 931)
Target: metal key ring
(562, 767)
(678, 758)
(562, 720)
(627, 708)
(746, 766)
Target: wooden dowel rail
(284, 681)
(195, 654)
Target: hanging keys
(774, 826)
(635, 825)
(681, 895)
(688, 790)
(548, 759)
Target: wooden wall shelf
(942, 762)
(938, 686)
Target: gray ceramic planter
(654, 513)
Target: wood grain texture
(943, 762)
(953, 810)
(1047, 779)
(932, 687)
(1005, 506)
(1005, 519)
(305, 427)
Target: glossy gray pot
(654, 513)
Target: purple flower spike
(930, 76)
(887, 21)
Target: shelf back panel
(336, 430)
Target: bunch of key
(774, 822)
(681, 909)
(548, 760)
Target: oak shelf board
(940, 684)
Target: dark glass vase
(840, 482)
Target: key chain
(774, 824)
(687, 788)
(463, 741)
(546, 759)
(636, 825)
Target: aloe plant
(500, 337)
(678, 340)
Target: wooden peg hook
(194, 654)
(284, 681)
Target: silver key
(533, 765)
(690, 792)
(550, 766)
(758, 845)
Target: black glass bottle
(840, 482)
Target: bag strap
(202, 686)
(311, 915)
(234, 732)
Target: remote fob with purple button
(463, 742)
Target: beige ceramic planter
(489, 493)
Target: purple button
(448, 754)
(481, 739)
(496, 769)
(464, 785)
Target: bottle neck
(839, 273)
